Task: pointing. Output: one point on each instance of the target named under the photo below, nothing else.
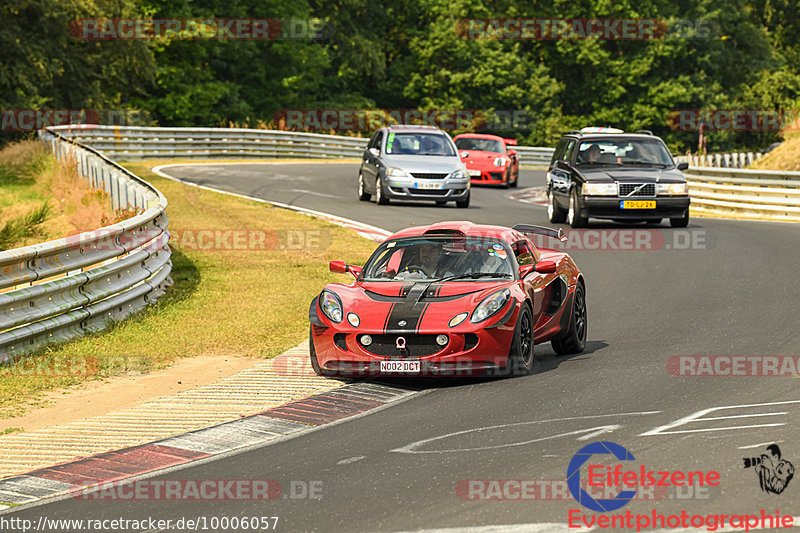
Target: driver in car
(430, 257)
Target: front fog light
(353, 319)
(365, 340)
(441, 340)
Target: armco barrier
(133, 143)
(67, 287)
(723, 160)
(749, 194)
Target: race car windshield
(434, 257)
(623, 153)
(418, 144)
(481, 145)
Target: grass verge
(244, 272)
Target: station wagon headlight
(459, 174)
(672, 188)
(331, 306)
(500, 161)
(490, 305)
(600, 189)
(394, 172)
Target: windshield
(483, 145)
(440, 256)
(623, 152)
(418, 144)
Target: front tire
(463, 204)
(380, 195)
(554, 213)
(575, 216)
(520, 357)
(574, 339)
(515, 183)
(363, 195)
(681, 222)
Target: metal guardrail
(749, 194)
(728, 160)
(133, 143)
(67, 287)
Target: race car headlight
(458, 319)
(500, 161)
(490, 305)
(394, 172)
(459, 174)
(672, 188)
(353, 319)
(331, 306)
(600, 189)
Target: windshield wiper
(475, 275)
(598, 163)
(648, 163)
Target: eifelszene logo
(609, 479)
(774, 473)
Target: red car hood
(413, 306)
(477, 160)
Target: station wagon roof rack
(645, 132)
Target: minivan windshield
(418, 144)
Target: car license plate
(474, 172)
(400, 367)
(424, 185)
(637, 204)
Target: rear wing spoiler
(541, 230)
(510, 142)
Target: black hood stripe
(410, 310)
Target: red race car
(488, 158)
(454, 298)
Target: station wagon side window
(569, 151)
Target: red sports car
(488, 158)
(454, 298)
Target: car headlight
(394, 172)
(331, 306)
(490, 305)
(672, 188)
(600, 189)
(458, 319)
(500, 161)
(458, 174)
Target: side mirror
(563, 165)
(374, 152)
(512, 153)
(546, 267)
(682, 165)
(524, 270)
(338, 267)
(464, 154)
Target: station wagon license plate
(637, 204)
(423, 185)
(400, 367)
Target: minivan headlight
(458, 174)
(394, 172)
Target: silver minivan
(407, 162)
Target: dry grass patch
(230, 297)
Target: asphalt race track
(730, 291)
